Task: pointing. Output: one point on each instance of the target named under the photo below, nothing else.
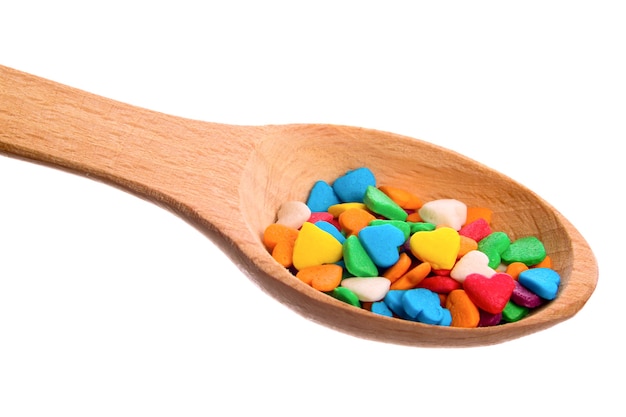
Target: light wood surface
(229, 181)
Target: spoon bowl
(230, 180)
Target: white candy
(293, 214)
(473, 262)
(446, 212)
(368, 289)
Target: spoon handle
(187, 164)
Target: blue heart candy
(393, 300)
(542, 281)
(381, 243)
(321, 197)
(379, 307)
(424, 306)
(351, 187)
(330, 228)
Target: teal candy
(321, 197)
(493, 246)
(351, 187)
(380, 203)
(446, 319)
(423, 305)
(528, 250)
(381, 244)
(330, 228)
(356, 259)
(393, 300)
(403, 226)
(542, 281)
(379, 307)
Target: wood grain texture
(229, 181)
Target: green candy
(421, 227)
(403, 226)
(345, 295)
(356, 259)
(513, 312)
(493, 246)
(528, 250)
(380, 203)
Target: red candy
(489, 294)
(324, 216)
(476, 230)
(440, 284)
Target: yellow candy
(438, 247)
(314, 247)
(337, 209)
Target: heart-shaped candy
(463, 311)
(356, 259)
(423, 305)
(351, 186)
(381, 243)
(324, 277)
(477, 229)
(321, 197)
(293, 214)
(488, 319)
(542, 281)
(473, 262)
(393, 300)
(380, 203)
(528, 250)
(445, 212)
(439, 247)
(440, 284)
(332, 229)
(523, 297)
(493, 245)
(314, 246)
(489, 294)
(368, 289)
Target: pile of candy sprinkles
(383, 249)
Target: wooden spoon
(230, 180)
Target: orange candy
(474, 213)
(401, 197)
(463, 311)
(546, 263)
(324, 278)
(467, 245)
(412, 278)
(515, 268)
(414, 217)
(394, 272)
(354, 219)
(280, 240)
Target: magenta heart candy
(524, 297)
(489, 294)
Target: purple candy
(489, 319)
(522, 296)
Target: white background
(110, 306)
